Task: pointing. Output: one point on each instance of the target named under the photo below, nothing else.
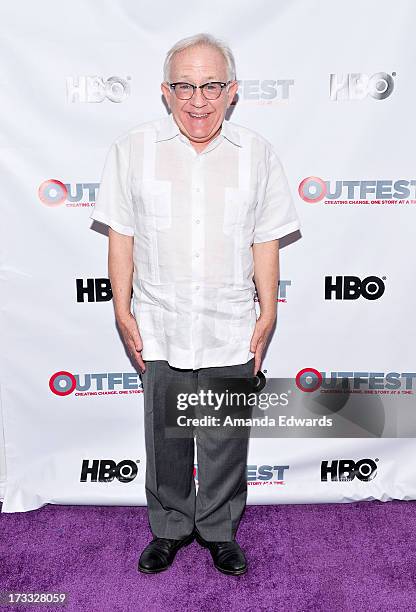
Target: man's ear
(165, 92)
(231, 92)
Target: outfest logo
(310, 380)
(314, 189)
(266, 475)
(64, 383)
(55, 193)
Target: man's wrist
(269, 314)
(122, 314)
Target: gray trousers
(174, 508)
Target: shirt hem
(214, 357)
(277, 233)
(115, 225)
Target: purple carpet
(327, 557)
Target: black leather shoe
(227, 556)
(160, 553)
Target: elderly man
(195, 205)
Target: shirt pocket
(154, 203)
(149, 320)
(238, 208)
(236, 321)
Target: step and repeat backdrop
(331, 86)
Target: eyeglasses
(210, 91)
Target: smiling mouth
(198, 116)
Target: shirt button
(197, 189)
(197, 287)
(197, 221)
(196, 254)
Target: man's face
(198, 118)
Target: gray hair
(201, 39)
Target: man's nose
(198, 99)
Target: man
(195, 206)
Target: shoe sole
(157, 571)
(231, 573)
(224, 571)
(188, 540)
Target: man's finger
(141, 363)
(254, 341)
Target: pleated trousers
(175, 506)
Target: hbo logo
(348, 469)
(105, 470)
(351, 287)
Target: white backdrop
(309, 74)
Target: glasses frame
(201, 87)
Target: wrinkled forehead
(200, 62)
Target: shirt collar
(168, 128)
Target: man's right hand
(132, 339)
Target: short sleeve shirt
(194, 217)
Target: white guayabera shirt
(194, 217)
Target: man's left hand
(261, 333)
